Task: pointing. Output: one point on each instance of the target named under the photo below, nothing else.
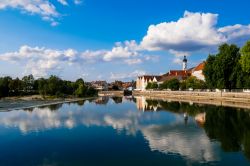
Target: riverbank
(231, 99)
(111, 93)
(25, 102)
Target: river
(125, 131)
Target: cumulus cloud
(193, 32)
(45, 8)
(122, 50)
(41, 61)
(238, 34)
(127, 52)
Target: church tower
(184, 64)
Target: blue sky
(97, 39)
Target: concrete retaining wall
(232, 95)
(232, 99)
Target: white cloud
(177, 60)
(45, 8)
(41, 61)
(238, 34)
(128, 49)
(193, 32)
(77, 2)
(126, 52)
(133, 61)
(63, 2)
(123, 76)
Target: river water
(125, 131)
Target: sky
(114, 39)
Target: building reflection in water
(164, 131)
(200, 118)
(146, 105)
(101, 100)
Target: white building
(198, 71)
(142, 81)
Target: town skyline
(112, 41)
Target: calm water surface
(125, 131)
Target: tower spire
(184, 64)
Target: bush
(172, 84)
(151, 85)
(193, 82)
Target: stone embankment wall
(232, 99)
(110, 93)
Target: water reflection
(167, 127)
(229, 126)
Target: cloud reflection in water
(164, 131)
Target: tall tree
(245, 57)
(28, 83)
(220, 70)
(210, 72)
(4, 86)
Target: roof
(199, 67)
(99, 82)
(151, 77)
(182, 73)
(167, 78)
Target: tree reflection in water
(163, 131)
(229, 126)
(117, 100)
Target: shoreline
(27, 102)
(229, 99)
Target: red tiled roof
(182, 73)
(199, 67)
(168, 77)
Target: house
(198, 71)
(142, 81)
(127, 85)
(100, 85)
(178, 74)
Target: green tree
(81, 90)
(149, 85)
(55, 85)
(193, 82)
(15, 86)
(164, 85)
(4, 86)
(173, 84)
(28, 83)
(43, 86)
(152, 85)
(245, 57)
(183, 85)
(220, 69)
(210, 72)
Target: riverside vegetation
(228, 69)
(53, 87)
